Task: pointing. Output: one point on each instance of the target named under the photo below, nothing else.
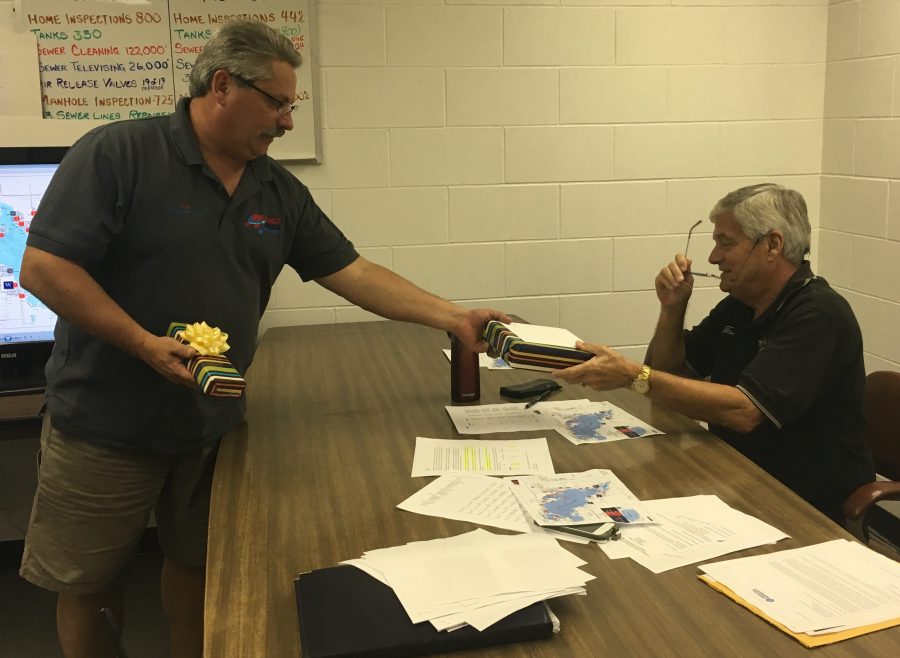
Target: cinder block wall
(548, 157)
(859, 247)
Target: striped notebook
(215, 375)
(506, 343)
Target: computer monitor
(26, 324)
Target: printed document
(510, 457)
(824, 588)
(466, 497)
(580, 421)
(477, 499)
(583, 421)
(595, 496)
(689, 530)
(491, 418)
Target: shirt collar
(183, 134)
(799, 280)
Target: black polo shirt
(135, 204)
(801, 363)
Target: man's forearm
(714, 403)
(381, 291)
(666, 350)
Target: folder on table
(345, 612)
(809, 641)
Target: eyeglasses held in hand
(690, 231)
(283, 107)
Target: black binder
(345, 612)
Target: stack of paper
(690, 530)
(477, 578)
(835, 590)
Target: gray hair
(243, 47)
(760, 209)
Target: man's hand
(167, 356)
(607, 370)
(469, 327)
(675, 283)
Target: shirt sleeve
(84, 205)
(793, 365)
(319, 248)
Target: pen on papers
(539, 398)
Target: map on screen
(23, 317)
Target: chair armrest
(861, 501)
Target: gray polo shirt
(134, 203)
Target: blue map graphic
(20, 312)
(587, 426)
(565, 504)
(12, 245)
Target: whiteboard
(109, 60)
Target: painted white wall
(859, 242)
(547, 157)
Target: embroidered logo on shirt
(264, 223)
(761, 343)
(184, 208)
(728, 330)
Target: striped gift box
(531, 356)
(214, 374)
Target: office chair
(882, 410)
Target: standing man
(776, 369)
(145, 223)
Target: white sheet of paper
(826, 587)
(478, 499)
(509, 457)
(689, 530)
(484, 616)
(580, 421)
(505, 417)
(484, 361)
(468, 497)
(535, 333)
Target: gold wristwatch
(641, 383)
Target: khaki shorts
(92, 506)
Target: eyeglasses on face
(283, 107)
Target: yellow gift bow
(205, 339)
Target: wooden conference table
(314, 476)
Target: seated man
(776, 368)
